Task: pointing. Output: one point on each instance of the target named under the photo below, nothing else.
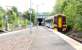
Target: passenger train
(56, 22)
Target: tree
(13, 17)
(2, 14)
(27, 15)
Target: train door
(59, 23)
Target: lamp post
(6, 19)
(6, 24)
(37, 16)
(30, 17)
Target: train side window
(55, 20)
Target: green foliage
(2, 13)
(27, 15)
(14, 18)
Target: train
(56, 22)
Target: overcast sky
(22, 5)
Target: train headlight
(65, 26)
(55, 25)
(64, 29)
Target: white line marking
(15, 32)
(72, 42)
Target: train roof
(51, 17)
(59, 14)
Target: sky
(23, 5)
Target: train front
(60, 23)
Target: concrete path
(43, 39)
(17, 40)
